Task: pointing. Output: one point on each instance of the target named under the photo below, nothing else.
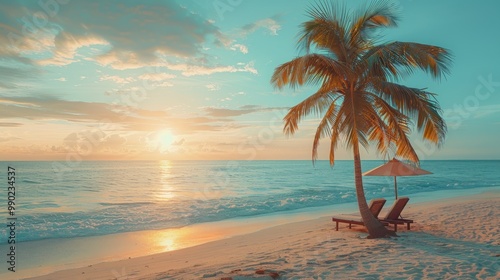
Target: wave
(125, 203)
(30, 181)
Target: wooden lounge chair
(376, 205)
(393, 216)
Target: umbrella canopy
(396, 168)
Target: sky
(190, 79)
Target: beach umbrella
(396, 168)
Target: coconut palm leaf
(431, 59)
(311, 68)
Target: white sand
(451, 239)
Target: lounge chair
(393, 216)
(376, 205)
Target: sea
(92, 198)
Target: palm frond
(350, 123)
(325, 127)
(432, 59)
(398, 127)
(310, 68)
(334, 138)
(378, 131)
(418, 104)
(327, 29)
(377, 14)
(316, 103)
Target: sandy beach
(450, 239)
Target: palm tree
(359, 99)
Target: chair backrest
(376, 205)
(397, 208)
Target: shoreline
(50, 255)
(226, 230)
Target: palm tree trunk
(375, 228)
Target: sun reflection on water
(165, 189)
(178, 238)
(167, 241)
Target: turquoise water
(103, 197)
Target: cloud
(48, 108)
(157, 79)
(122, 117)
(247, 109)
(66, 46)
(250, 107)
(111, 141)
(123, 91)
(271, 24)
(8, 138)
(62, 79)
(162, 84)
(117, 79)
(91, 141)
(127, 34)
(19, 37)
(179, 143)
(153, 80)
(213, 87)
(10, 124)
(195, 70)
(487, 110)
(120, 35)
(219, 112)
(240, 47)
(456, 116)
(16, 75)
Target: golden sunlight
(166, 191)
(165, 140)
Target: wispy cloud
(200, 70)
(109, 142)
(15, 75)
(8, 138)
(47, 107)
(240, 47)
(247, 109)
(117, 79)
(158, 79)
(10, 124)
(487, 110)
(121, 117)
(213, 87)
(230, 42)
(66, 46)
(123, 91)
(458, 115)
(269, 24)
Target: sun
(165, 140)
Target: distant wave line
(125, 203)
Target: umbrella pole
(395, 187)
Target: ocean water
(104, 197)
